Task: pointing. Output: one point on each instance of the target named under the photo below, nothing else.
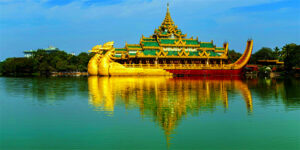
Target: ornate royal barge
(167, 52)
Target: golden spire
(168, 20)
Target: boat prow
(244, 59)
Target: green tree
(9, 66)
(18, 66)
(277, 53)
(45, 63)
(83, 60)
(1, 67)
(61, 65)
(264, 53)
(233, 55)
(291, 56)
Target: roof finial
(168, 20)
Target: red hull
(236, 72)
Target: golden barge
(167, 52)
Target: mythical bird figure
(99, 63)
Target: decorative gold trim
(204, 54)
(183, 53)
(180, 42)
(161, 53)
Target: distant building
(252, 67)
(270, 62)
(50, 49)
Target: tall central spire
(168, 29)
(168, 20)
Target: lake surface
(149, 113)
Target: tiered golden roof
(166, 50)
(170, 41)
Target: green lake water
(149, 113)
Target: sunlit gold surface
(165, 99)
(243, 60)
(117, 69)
(138, 61)
(106, 65)
(93, 64)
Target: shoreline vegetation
(289, 54)
(60, 63)
(45, 64)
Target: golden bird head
(96, 49)
(100, 48)
(108, 44)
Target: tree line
(44, 63)
(289, 54)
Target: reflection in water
(35, 107)
(164, 99)
(271, 91)
(46, 90)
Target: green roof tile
(172, 53)
(207, 45)
(151, 44)
(212, 53)
(219, 48)
(118, 55)
(167, 41)
(194, 54)
(120, 49)
(191, 42)
(132, 53)
(133, 46)
(150, 52)
(153, 40)
(164, 33)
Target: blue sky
(78, 25)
